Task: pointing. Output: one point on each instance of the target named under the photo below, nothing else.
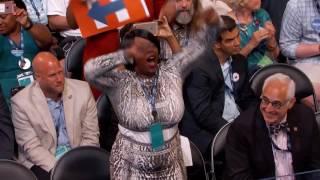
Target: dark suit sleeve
(246, 97)
(237, 155)
(6, 131)
(204, 101)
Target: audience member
(257, 33)
(300, 40)
(276, 8)
(20, 40)
(221, 6)
(217, 89)
(96, 45)
(37, 11)
(6, 131)
(147, 99)
(57, 12)
(51, 116)
(186, 18)
(278, 139)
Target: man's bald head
(49, 74)
(42, 62)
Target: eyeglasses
(275, 104)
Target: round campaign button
(24, 63)
(315, 24)
(235, 77)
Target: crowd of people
(190, 79)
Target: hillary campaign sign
(94, 17)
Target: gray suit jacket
(34, 127)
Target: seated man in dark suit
(6, 131)
(217, 89)
(279, 138)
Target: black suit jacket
(249, 151)
(6, 131)
(204, 98)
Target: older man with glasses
(279, 138)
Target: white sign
(2, 8)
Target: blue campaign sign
(104, 15)
(99, 12)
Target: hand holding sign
(7, 7)
(164, 28)
(104, 15)
(99, 12)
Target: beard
(184, 17)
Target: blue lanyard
(277, 147)
(152, 97)
(59, 120)
(56, 108)
(35, 9)
(14, 46)
(229, 73)
(244, 28)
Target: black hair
(143, 34)
(124, 42)
(127, 35)
(227, 24)
(20, 4)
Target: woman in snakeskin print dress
(132, 155)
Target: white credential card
(2, 8)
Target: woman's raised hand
(164, 30)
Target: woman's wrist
(272, 45)
(28, 25)
(170, 38)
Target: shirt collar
(227, 63)
(282, 121)
(53, 102)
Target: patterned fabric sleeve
(101, 72)
(182, 62)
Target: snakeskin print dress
(131, 159)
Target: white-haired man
(188, 21)
(279, 138)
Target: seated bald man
(277, 138)
(52, 115)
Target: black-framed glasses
(275, 104)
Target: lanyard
(183, 34)
(230, 86)
(35, 9)
(277, 147)
(56, 113)
(14, 46)
(151, 98)
(244, 28)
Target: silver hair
(283, 79)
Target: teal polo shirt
(9, 68)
